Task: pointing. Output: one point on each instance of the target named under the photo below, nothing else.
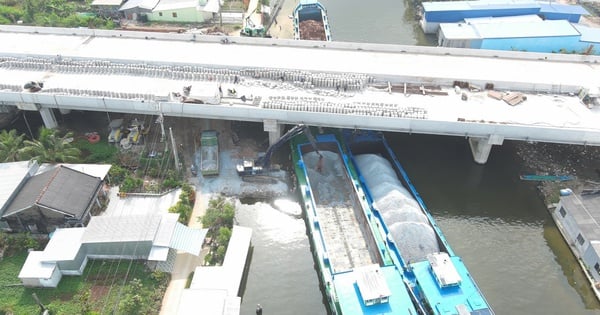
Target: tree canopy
(10, 144)
(50, 147)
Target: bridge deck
(297, 84)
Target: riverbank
(583, 162)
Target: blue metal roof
(519, 29)
(351, 302)
(477, 5)
(588, 34)
(445, 300)
(546, 28)
(562, 8)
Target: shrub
(117, 174)
(17, 242)
(130, 184)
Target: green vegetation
(219, 221)
(185, 205)
(10, 144)
(50, 146)
(57, 13)
(55, 146)
(100, 152)
(110, 287)
(17, 242)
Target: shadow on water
(498, 224)
(570, 267)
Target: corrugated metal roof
(164, 5)
(585, 210)
(187, 239)
(477, 5)
(158, 253)
(458, 31)
(588, 34)
(107, 2)
(12, 175)
(527, 29)
(165, 229)
(64, 245)
(102, 229)
(94, 170)
(35, 268)
(520, 29)
(141, 4)
(562, 8)
(504, 19)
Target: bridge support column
(481, 147)
(48, 118)
(274, 129)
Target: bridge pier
(274, 129)
(48, 118)
(481, 147)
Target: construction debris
(495, 94)
(514, 98)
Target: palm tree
(51, 148)
(10, 144)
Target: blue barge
(357, 270)
(438, 277)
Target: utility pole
(175, 155)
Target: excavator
(251, 30)
(261, 166)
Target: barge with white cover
(437, 276)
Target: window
(597, 267)
(159, 13)
(562, 211)
(174, 14)
(580, 239)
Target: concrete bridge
(485, 96)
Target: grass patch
(106, 286)
(100, 152)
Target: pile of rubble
(312, 30)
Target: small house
(54, 198)
(153, 238)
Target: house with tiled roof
(57, 196)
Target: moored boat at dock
(438, 277)
(310, 21)
(357, 271)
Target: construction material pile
(312, 30)
(407, 223)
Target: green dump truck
(209, 153)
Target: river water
(494, 221)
